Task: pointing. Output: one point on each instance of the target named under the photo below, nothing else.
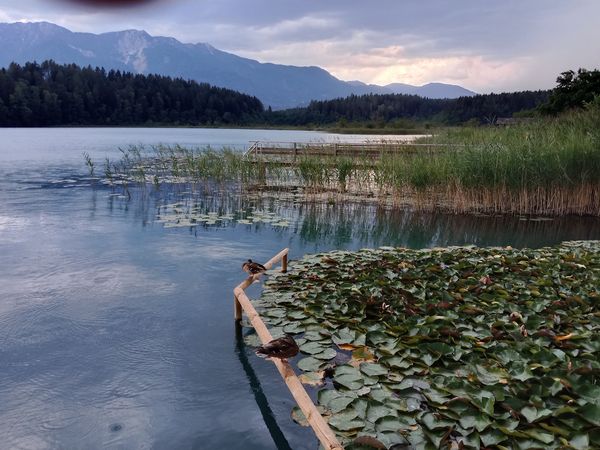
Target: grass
(550, 166)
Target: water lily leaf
(389, 424)
(591, 413)
(293, 328)
(311, 348)
(433, 423)
(589, 392)
(469, 441)
(531, 413)
(396, 362)
(346, 369)
(360, 406)
(492, 437)
(299, 417)
(312, 378)
(339, 404)
(346, 421)
(349, 382)
(413, 383)
(252, 340)
(327, 395)
(343, 336)
(363, 354)
(538, 435)
(519, 371)
(376, 411)
(326, 354)
(313, 336)
(373, 370)
(477, 420)
(377, 337)
(485, 401)
(491, 375)
(309, 364)
(580, 442)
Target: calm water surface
(116, 332)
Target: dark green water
(116, 332)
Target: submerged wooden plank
(325, 435)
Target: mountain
(276, 85)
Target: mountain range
(276, 85)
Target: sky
(483, 45)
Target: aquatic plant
(460, 347)
(543, 167)
(89, 163)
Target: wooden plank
(325, 435)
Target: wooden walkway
(242, 303)
(292, 150)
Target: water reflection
(261, 400)
(374, 226)
(345, 225)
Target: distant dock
(370, 150)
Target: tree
(573, 90)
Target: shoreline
(333, 130)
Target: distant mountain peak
(277, 85)
(131, 46)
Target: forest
(50, 94)
(383, 109)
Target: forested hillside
(49, 94)
(386, 108)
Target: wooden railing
(242, 304)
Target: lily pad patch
(460, 347)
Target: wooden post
(325, 435)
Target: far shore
(333, 130)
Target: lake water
(117, 332)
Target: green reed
(546, 166)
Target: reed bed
(547, 166)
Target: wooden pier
(242, 303)
(370, 150)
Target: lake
(116, 330)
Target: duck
(253, 268)
(281, 348)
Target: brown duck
(281, 348)
(253, 268)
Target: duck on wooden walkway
(281, 348)
(253, 268)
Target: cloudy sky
(483, 45)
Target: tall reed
(546, 166)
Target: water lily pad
(326, 354)
(299, 417)
(312, 378)
(496, 344)
(346, 421)
(312, 348)
(310, 364)
(373, 370)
